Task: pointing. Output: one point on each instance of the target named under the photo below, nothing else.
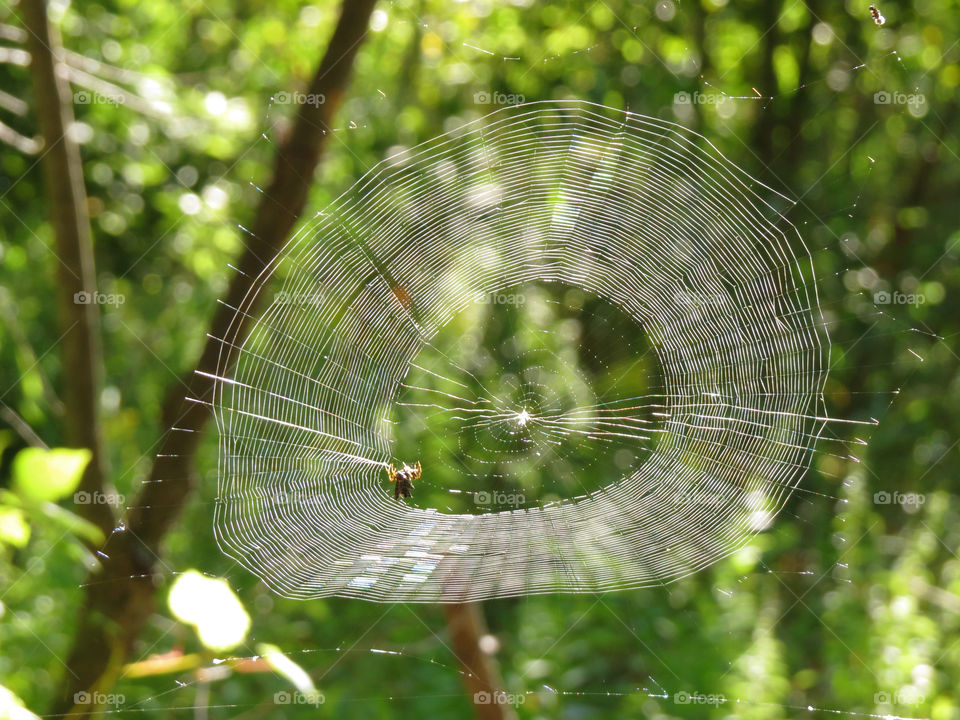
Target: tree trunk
(481, 674)
(82, 356)
(120, 597)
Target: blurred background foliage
(850, 605)
(540, 348)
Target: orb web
(315, 396)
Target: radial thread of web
(642, 213)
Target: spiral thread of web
(640, 212)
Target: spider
(877, 17)
(404, 478)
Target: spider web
(644, 219)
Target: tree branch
(120, 599)
(481, 673)
(76, 279)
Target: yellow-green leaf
(11, 707)
(211, 607)
(48, 475)
(284, 666)
(13, 527)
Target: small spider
(404, 478)
(877, 17)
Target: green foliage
(11, 707)
(14, 529)
(41, 475)
(39, 478)
(843, 604)
(211, 607)
(286, 668)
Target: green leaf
(211, 607)
(66, 520)
(73, 523)
(11, 707)
(13, 527)
(285, 667)
(48, 475)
